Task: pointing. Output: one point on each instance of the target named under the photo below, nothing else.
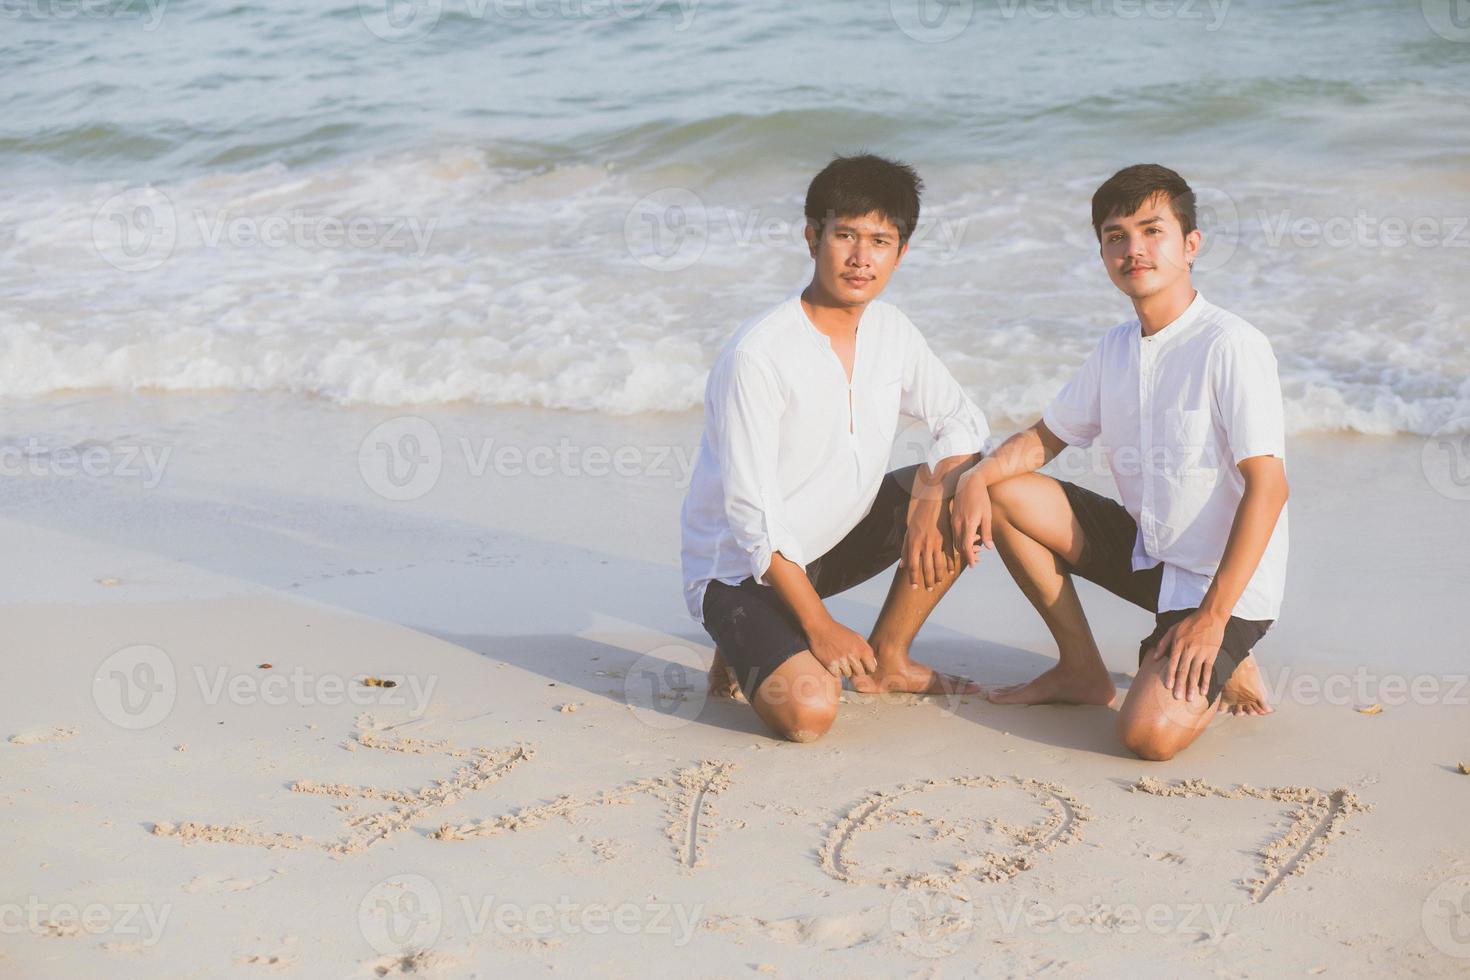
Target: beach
(199, 781)
(352, 368)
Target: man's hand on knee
(841, 651)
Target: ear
(1192, 243)
(902, 251)
(811, 239)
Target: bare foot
(1245, 693)
(909, 677)
(722, 682)
(1059, 686)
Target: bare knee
(1151, 749)
(806, 721)
(1019, 499)
(808, 726)
(798, 704)
(1003, 497)
(1148, 741)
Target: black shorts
(756, 631)
(1108, 533)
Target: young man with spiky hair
(1187, 405)
(790, 501)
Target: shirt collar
(810, 328)
(1181, 326)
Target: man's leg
(722, 680)
(1246, 693)
(1038, 538)
(799, 699)
(1153, 724)
(904, 612)
(763, 648)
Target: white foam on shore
(474, 283)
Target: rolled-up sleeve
(743, 413)
(1247, 391)
(1075, 414)
(933, 396)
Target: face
(1147, 252)
(855, 257)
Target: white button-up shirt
(793, 454)
(1176, 413)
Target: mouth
(1137, 270)
(857, 281)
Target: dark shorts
(753, 627)
(1108, 533)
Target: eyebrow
(855, 230)
(1147, 221)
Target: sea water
(572, 203)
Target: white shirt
(785, 465)
(1176, 413)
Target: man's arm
(1248, 404)
(928, 548)
(1025, 452)
(843, 652)
(959, 430)
(1074, 418)
(745, 415)
(1194, 642)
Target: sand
(545, 787)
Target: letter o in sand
(990, 842)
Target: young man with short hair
(1187, 404)
(790, 502)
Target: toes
(953, 684)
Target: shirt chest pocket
(1189, 443)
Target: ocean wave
(484, 280)
(666, 375)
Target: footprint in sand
(57, 733)
(210, 883)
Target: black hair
(850, 187)
(1130, 188)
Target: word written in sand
(482, 767)
(688, 797)
(1318, 817)
(1061, 824)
